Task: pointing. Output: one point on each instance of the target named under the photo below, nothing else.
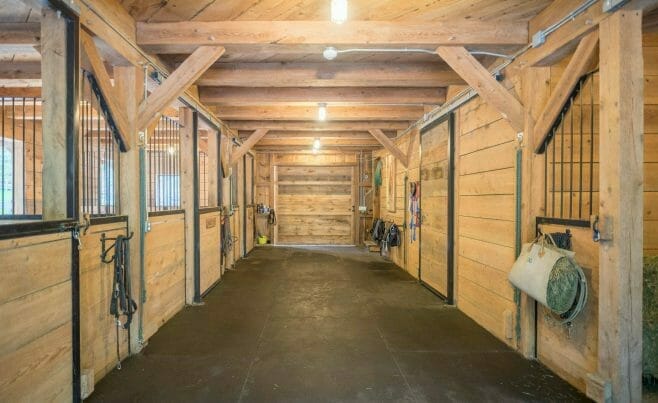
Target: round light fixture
(330, 53)
(338, 11)
(322, 112)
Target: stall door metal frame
(450, 236)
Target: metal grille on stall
(100, 152)
(571, 166)
(163, 158)
(21, 158)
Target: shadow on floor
(326, 325)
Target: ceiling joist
(373, 33)
(316, 126)
(334, 113)
(177, 82)
(330, 75)
(23, 33)
(478, 77)
(310, 95)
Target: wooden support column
(129, 81)
(187, 179)
(620, 210)
(55, 129)
(535, 88)
(213, 161)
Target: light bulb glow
(330, 53)
(338, 11)
(322, 112)
(316, 144)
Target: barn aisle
(326, 324)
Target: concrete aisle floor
(326, 325)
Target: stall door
(314, 205)
(435, 204)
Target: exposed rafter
(24, 33)
(330, 75)
(487, 87)
(390, 146)
(248, 144)
(360, 125)
(335, 113)
(177, 82)
(307, 96)
(225, 33)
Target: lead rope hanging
(121, 303)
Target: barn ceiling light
(316, 144)
(338, 11)
(322, 112)
(330, 53)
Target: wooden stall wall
(35, 298)
(98, 327)
(484, 228)
(264, 194)
(249, 202)
(209, 247)
(399, 214)
(650, 44)
(164, 271)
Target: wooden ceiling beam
(281, 134)
(330, 75)
(334, 113)
(247, 145)
(318, 127)
(23, 33)
(311, 95)
(390, 146)
(580, 63)
(20, 70)
(177, 82)
(373, 33)
(480, 79)
(308, 141)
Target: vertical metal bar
(34, 155)
(97, 159)
(571, 164)
(546, 151)
(2, 152)
(23, 164)
(13, 155)
(197, 230)
(149, 150)
(170, 164)
(553, 174)
(106, 152)
(591, 147)
(580, 174)
(83, 126)
(562, 167)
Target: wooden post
(621, 207)
(213, 160)
(187, 152)
(54, 93)
(535, 89)
(129, 82)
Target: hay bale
(650, 317)
(562, 286)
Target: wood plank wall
(485, 165)
(399, 214)
(165, 271)
(286, 181)
(209, 249)
(98, 328)
(35, 299)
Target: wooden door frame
(450, 236)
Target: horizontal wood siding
(35, 309)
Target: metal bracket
(601, 228)
(611, 5)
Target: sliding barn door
(436, 198)
(315, 205)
